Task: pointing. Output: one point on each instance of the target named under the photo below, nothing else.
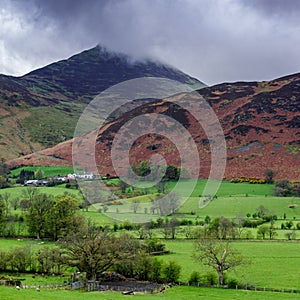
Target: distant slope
(41, 109)
(260, 120)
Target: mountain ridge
(32, 104)
(260, 120)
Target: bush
(211, 278)
(171, 272)
(232, 283)
(194, 278)
(154, 245)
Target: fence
(38, 286)
(124, 286)
(249, 288)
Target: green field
(273, 264)
(175, 293)
(48, 171)
(268, 260)
(18, 191)
(235, 205)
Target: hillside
(260, 121)
(41, 108)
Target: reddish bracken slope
(260, 121)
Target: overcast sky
(213, 40)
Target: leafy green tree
(144, 168)
(39, 174)
(22, 259)
(62, 215)
(262, 230)
(37, 216)
(14, 202)
(2, 213)
(94, 251)
(172, 172)
(51, 260)
(3, 174)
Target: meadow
(175, 293)
(48, 171)
(272, 264)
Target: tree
(282, 188)
(144, 168)
(262, 230)
(219, 255)
(39, 174)
(261, 211)
(3, 174)
(123, 186)
(291, 235)
(296, 189)
(2, 213)
(51, 260)
(62, 215)
(14, 202)
(94, 251)
(38, 214)
(269, 175)
(135, 205)
(168, 204)
(172, 172)
(5, 198)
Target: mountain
(260, 120)
(41, 108)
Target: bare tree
(135, 205)
(219, 255)
(168, 204)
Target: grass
(18, 191)
(176, 293)
(232, 206)
(8, 244)
(273, 264)
(229, 189)
(48, 171)
(40, 124)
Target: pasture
(273, 264)
(48, 171)
(175, 293)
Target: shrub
(232, 283)
(211, 278)
(194, 278)
(171, 272)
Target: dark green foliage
(154, 245)
(172, 172)
(194, 278)
(211, 278)
(25, 175)
(171, 272)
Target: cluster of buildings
(59, 179)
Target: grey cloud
(213, 40)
